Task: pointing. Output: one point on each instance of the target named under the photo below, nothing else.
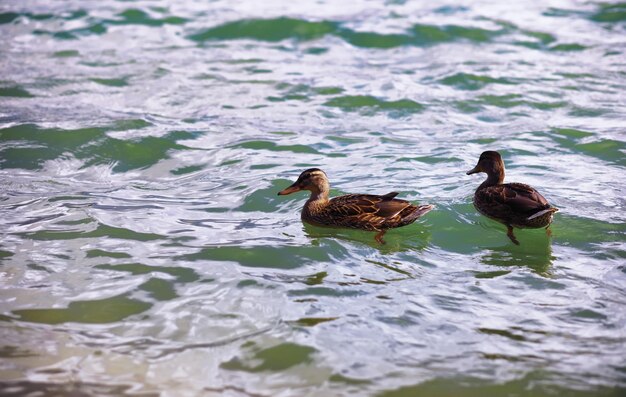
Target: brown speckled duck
(355, 211)
(513, 204)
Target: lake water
(144, 250)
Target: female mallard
(513, 204)
(355, 211)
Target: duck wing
(515, 199)
(363, 210)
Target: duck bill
(474, 170)
(291, 189)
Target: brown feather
(511, 199)
(357, 211)
(364, 211)
(513, 204)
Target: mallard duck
(355, 211)
(513, 204)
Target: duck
(355, 211)
(515, 205)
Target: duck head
(313, 179)
(491, 163)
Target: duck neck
(318, 200)
(494, 177)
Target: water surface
(144, 250)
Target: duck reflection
(536, 255)
(415, 238)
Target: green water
(144, 249)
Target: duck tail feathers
(543, 212)
(419, 211)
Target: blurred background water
(144, 250)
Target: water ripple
(145, 251)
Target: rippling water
(144, 249)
